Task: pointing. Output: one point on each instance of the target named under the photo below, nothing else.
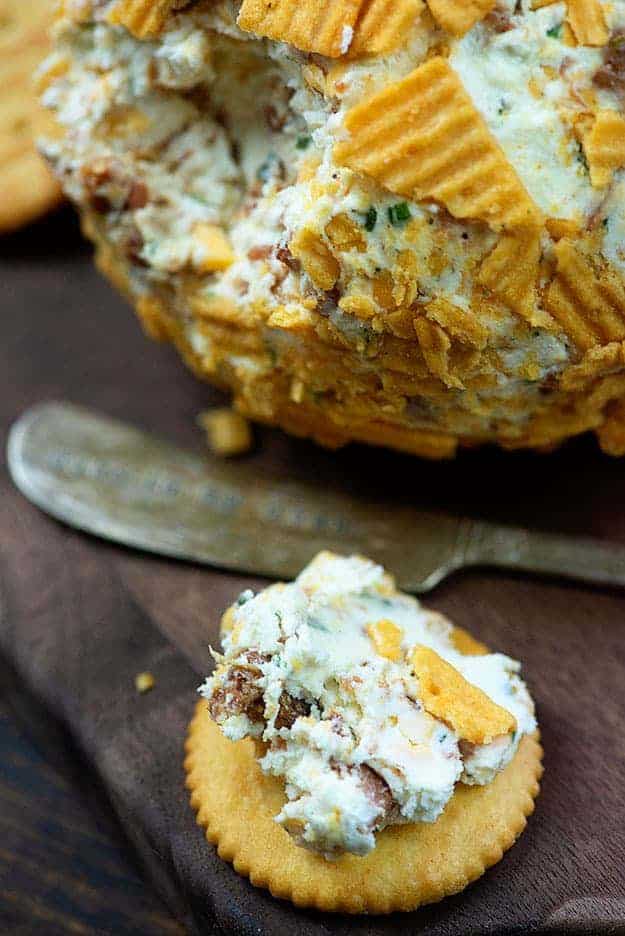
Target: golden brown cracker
(411, 865)
(423, 138)
(27, 188)
(446, 694)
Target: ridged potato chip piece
(604, 146)
(459, 16)
(423, 138)
(435, 345)
(447, 695)
(587, 21)
(598, 362)
(345, 234)
(589, 305)
(384, 25)
(316, 258)
(386, 637)
(325, 26)
(143, 18)
(510, 272)
(461, 324)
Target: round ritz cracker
(411, 865)
(27, 188)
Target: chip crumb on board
(144, 682)
(228, 433)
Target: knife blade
(120, 483)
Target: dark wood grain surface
(63, 867)
(78, 618)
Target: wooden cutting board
(79, 618)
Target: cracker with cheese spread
(361, 736)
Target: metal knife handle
(583, 558)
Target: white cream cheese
(359, 716)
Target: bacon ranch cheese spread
(402, 223)
(362, 702)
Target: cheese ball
(395, 221)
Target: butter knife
(122, 484)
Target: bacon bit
(133, 247)
(99, 173)
(611, 75)
(260, 252)
(275, 122)
(285, 256)
(241, 285)
(499, 21)
(100, 204)
(138, 197)
(290, 709)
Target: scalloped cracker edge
(235, 804)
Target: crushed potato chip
(604, 146)
(228, 432)
(384, 25)
(317, 259)
(345, 234)
(447, 695)
(510, 272)
(386, 638)
(143, 18)
(459, 16)
(144, 682)
(586, 19)
(217, 254)
(461, 324)
(589, 305)
(435, 345)
(422, 137)
(325, 26)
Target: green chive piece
(370, 219)
(399, 213)
(554, 32)
(303, 142)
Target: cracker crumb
(144, 682)
(228, 433)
